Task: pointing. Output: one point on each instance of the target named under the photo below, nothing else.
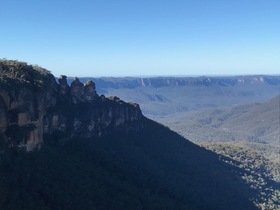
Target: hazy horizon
(174, 76)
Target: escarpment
(33, 105)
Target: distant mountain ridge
(162, 96)
(158, 82)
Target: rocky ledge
(33, 105)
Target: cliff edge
(33, 104)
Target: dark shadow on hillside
(151, 169)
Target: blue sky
(143, 37)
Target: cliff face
(33, 104)
(79, 111)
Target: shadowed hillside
(258, 122)
(151, 169)
(248, 135)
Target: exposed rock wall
(32, 104)
(26, 92)
(87, 114)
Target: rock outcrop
(33, 105)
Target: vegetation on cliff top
(13, 72)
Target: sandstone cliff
(33, 104)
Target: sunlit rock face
(89, 91)
(33, 104)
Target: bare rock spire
(90, 91)
(77, 91)
(63, 85)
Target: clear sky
(143, 37)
